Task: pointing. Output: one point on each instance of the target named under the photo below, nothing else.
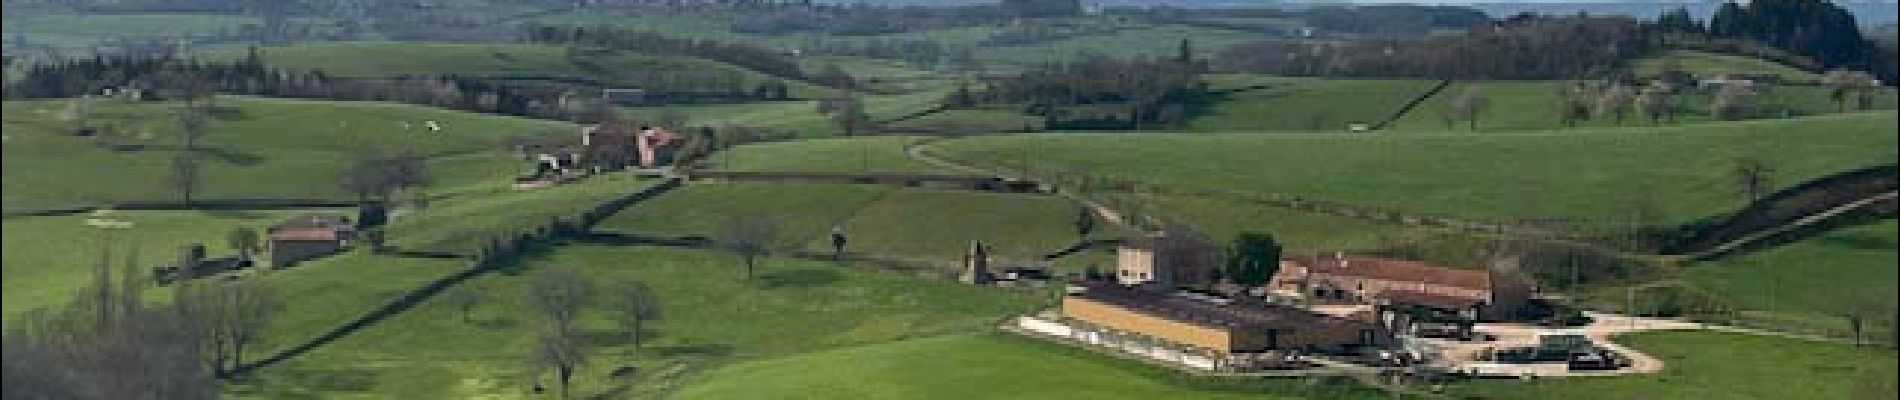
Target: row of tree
(112, 343)
(1527, 48)
(767, 61)
(1100, 92)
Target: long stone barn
(1203, 331)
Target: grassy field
(989, 366)
(46, 259)
(1712, 365)
(1584, 175)
(377, 59)
(77, 34)
(1526, 105)
(1303, 104)
(258, 148)
(975, 121)
(1810, 281)
(470, 217)
(1710, 65)
(874, 153)
(902, 222)
(1223, 219)
(710, 317)
(797, 118)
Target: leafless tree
(116, 346)
(184, 176)
(557, 295)
(1733, 102)
(634, 305)
(1615, 101)
(375, 175)
(1573, 103)
(465, 298)
(1654, 102)
(749, 236)
(559, 351)
(226, 317)
(1843, 84)
(1469, 106)
(1863, 308)
(1753, 177)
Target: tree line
(767, 61)
(1100, 92)
(1522, 48)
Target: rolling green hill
(990, 366)
(901, 222)
(1265, 103)
(1527, 105)
(1710, 64)
(710, 317)
(1805, 285)
(258, 148)
(1586, 176)
(618, 68)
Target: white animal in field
(407, 126)
(433, 127)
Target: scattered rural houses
(1469, 294)
(307, 237)
(977, 270)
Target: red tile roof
(1396, 270)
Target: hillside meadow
(255, 148)
(1595, 176)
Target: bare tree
(1861, 309)
(748, 236)
(1843, 84)
(373, 174)
(184, 177)
(465, 298)
(227, 318)
(1753, 177)
(1655, 103)
(557, 295)
(848, 113)
(560, 351)
(137, 351)
(1573, 104)
(1733, 102)
(1615, 101)
(634, 305)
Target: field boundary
(413, 297)
(1412, 104)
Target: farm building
(1169, 259)
(1204, 331)
(308, 237)
(616, 144)
(1472, 294)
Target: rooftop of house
(1394, 270)
(1204, 310)
(306, 234)
(324, 221)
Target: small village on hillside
(972, 199)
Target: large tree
(1253, 258)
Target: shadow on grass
(1859, 242)
(798, 278)
(310, 384)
